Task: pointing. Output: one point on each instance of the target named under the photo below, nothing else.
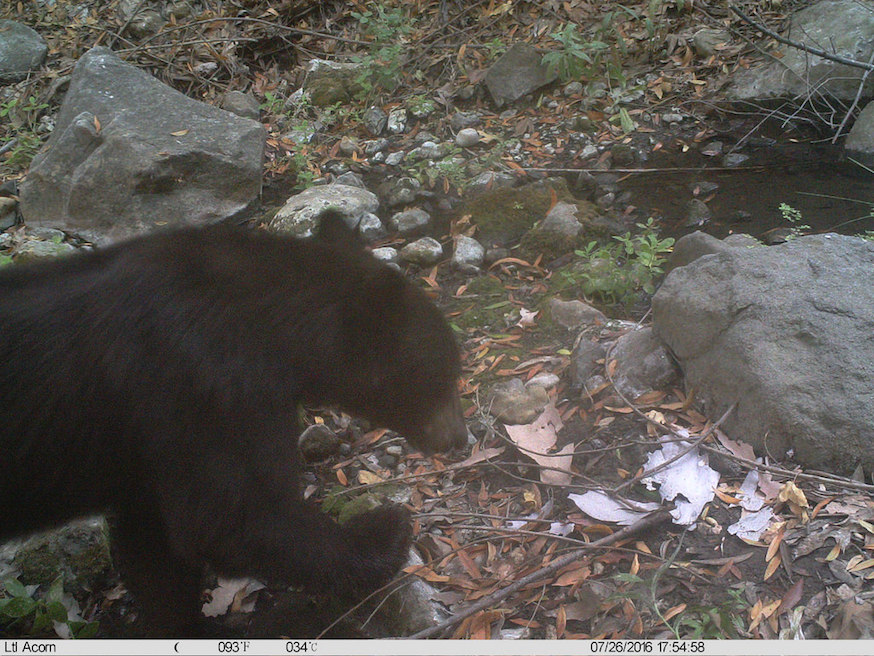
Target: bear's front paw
(381, 541)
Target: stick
(795, 44)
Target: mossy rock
(503, 216)
(551, 244)
(79, 551)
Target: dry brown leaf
(772, 567)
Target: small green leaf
(15, 588)
(19, 607)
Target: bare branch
(795, 44)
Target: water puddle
(831, 193)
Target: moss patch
(502, 216)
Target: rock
(707, 42)
(330, 82)
(351, 179)
(348, 146)
(466, 138)
(461, 120)
(575, 314)
(370, 227)
(517, 72)
(696, 213)
(298, 216)
(393, 159)
(397, 120)
(22, 50)
(841, 27)
(375, 146)
(420, 107)
(643, 363)
(860, 142)
(689, 248)
(468, 255)
(491, 180)
(573, 88)
(36, 249)
(374, 120)
(562, 220)
(732, 160)
(784, 332)
(585, 362)
(511, 402)
(424, 252)
(78, 551)
(8, 212)
(545, 380)
(427, 150)
(114, 166)
(386, 254)
(241, 104)
(318, 442)
(400, 191)
(411, 223)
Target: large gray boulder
(860, 142)
(841, 27)
(21, 50)
(787, 333)
(518, 71)
(128, 154)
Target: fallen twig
(795, 44)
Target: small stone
(734, 159)
(643, 364)
(467, 137)
(374, 120)
(351, 179)
(375, 146)
(318, 442)
(424, 252)
(545, 380)
(575, 314)
(411, 222)
(696, 213)
(513, 403)
(393, 159)
(574, 88)
(468, 255)
(706, 42)
(713, 149)
(397, 121)
(461, 120)
(348, 146)
(386, 254)
(370, 228)
(241, 104)
(586, 362)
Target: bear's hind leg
(167, 590)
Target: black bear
(159, 381)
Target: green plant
(20, 116)
(617, 272)
(723, 621)
(572, 60)
(793, 217)
(272, 104)
(23, 613)
(495, 48)
(387, 30)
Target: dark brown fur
(159, 381)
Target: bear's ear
(335, 230)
